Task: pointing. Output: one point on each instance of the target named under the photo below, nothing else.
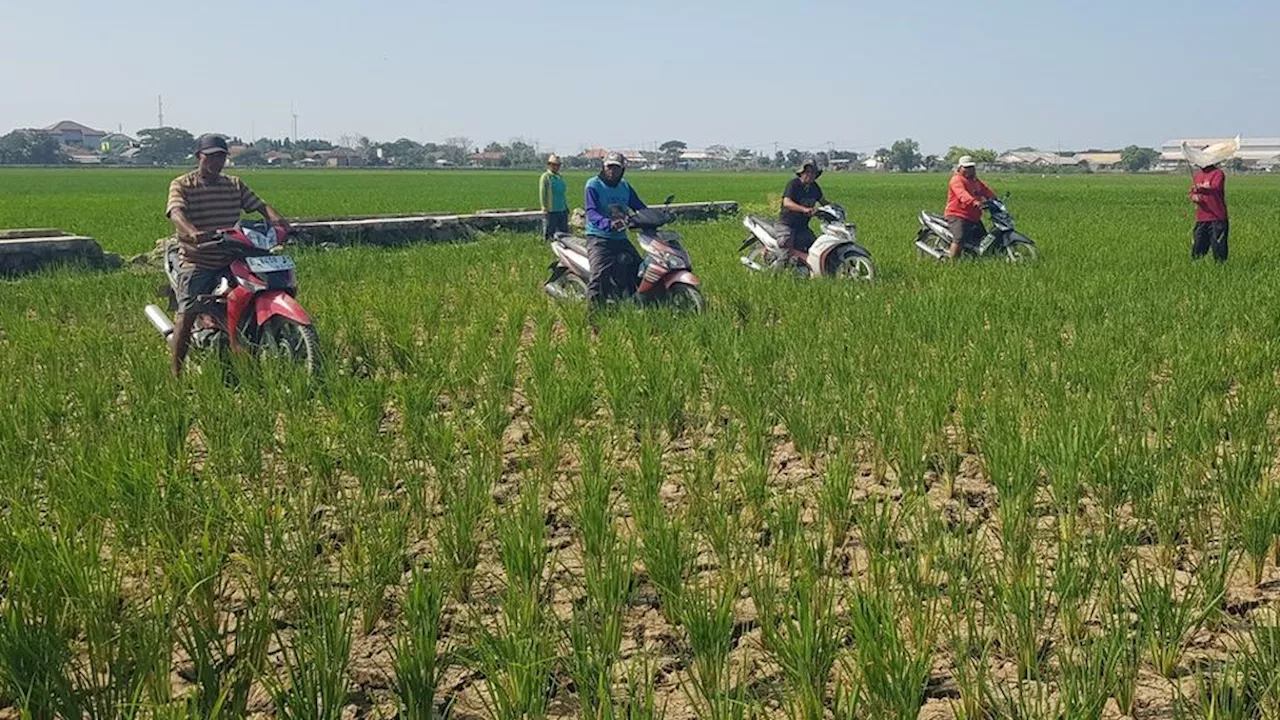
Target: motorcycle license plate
(269, 263)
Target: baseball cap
(615, 159)
(209, 144)
(966, 161)
(810, 164)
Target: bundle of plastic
(1212, 155)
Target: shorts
(194, 282)
(967, 232)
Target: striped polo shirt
(210, 205)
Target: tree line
(172, 146)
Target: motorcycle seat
(571, 242)
(936, 218)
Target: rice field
(960, 491)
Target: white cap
(966, 161)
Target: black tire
(283, 338)
(573, 287)
(851, 264)
(686, 298)
(1021, 252)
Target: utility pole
(160, 111)
(295, 122)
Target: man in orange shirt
(966, 197)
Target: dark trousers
(801, 237)
(614, 264)
(554, 221)
(1210, 234)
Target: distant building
(1037, 159)
(487, 159)
(344, 157)
(1099, 161)
(73, 134)
(1259, 153)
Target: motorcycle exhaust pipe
(750, 263)
(160, 320)
(935, 254)
(555, 291)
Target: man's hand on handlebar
(618, 224)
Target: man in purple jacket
(614, 260)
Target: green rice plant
(313, 682)
(1085, 679)
(522, 545)
(592, 504)
(36, 655)
(466, 502)
(227, 650)
(1076, 574)
(706, 614)
(836, 499)
(594, 633)
(893, 666)
(516, 654)
(560, 390)
(421, 655)
(374, 559)
(1232, 693)
(713, 513)
(878, 523)
(1025, 618)
(800, 630)
(1168, 615)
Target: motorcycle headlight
(675, 262)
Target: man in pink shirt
(1208, 192)
(966, 197)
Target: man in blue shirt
(614, 260)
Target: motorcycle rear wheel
(686, 298)
(292, 341)
(573, 287)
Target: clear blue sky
(566, 73)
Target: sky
(567, 74)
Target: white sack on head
(1213, 155)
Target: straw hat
(553, 159)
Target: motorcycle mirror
(669, 199)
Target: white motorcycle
(836, 252)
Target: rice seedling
(421, 654)
(892, 665)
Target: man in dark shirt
(1208, 192)
(799, 199)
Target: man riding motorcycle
(800, 199)
(614, 260)
(966, 197)
(200, 203)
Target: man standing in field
(1208, 192)
(614, 260)
(200, 203)
(799, 200)
(966, 197)
(555, 206)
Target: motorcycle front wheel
(1021, 252)
(852, 265)
(291, 341)
(686, 298)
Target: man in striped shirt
(201, 203)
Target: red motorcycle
(254, 307)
